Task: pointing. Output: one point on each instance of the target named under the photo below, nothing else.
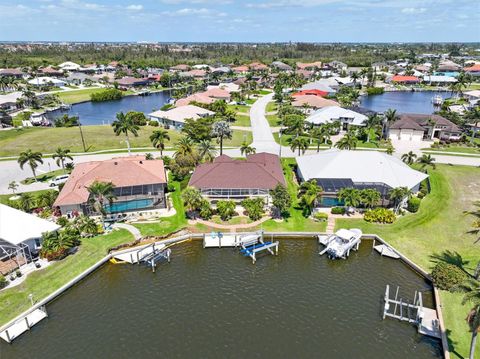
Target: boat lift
(425, 319)
(339, 244)
(255, 244)
(148, 255)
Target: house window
(37, 243)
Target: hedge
(445, 275)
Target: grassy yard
(273, 120)
(234, 220)
(99, 137)
(271, 106)
(44, 177)
(439, 226)
(240, 108)
(242, 120)
(43, 282)
(457, 149)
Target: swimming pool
(125, 206)
(330, 202)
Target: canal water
(403, 101)
(213, 303)
(99, 113)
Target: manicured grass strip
(273, 120)
(271, 106)
(99, 137)
(459, 149)
(243, 121)
(44, 282)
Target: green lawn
(43, 282)
(47, 140)
(271, 106)
(457, 149)
(168, 224)
(438, 226)
(234, 220)
(273, 120)
(77, 95)
(243, 121)
(239, 108)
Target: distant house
(416, 127)
(229, 87)
(320, 85)
(50, 71)
(240, 69)
(197, 97)
(331, 114)
(78, 78)
(439, 80)
(176, 117)
(194, 74)
(312, 102)
(139, 185)
(335, 169)
(180, 67)
(257, 66)
(217, 94)
(12, 73)
(405, 80)
(228, 178)
(473, 70)
(47, 81)
(311, 66)
(222, 70)
(306, 74)
(447, 65)
(8, 102)
(20, 237)
(337, 65)
(69, 66)
(281, 66)
(312, 92)
(127, 82)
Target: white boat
(437, 100)
(338, 245)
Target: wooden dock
(22, 325)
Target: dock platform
(386, 251)
(220, 240)
(23, 324)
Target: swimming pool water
(125, 206)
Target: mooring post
(26, 321)
(8, 336)
(131, 257)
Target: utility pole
(81, 135)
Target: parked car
(58, 180)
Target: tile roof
(122, 172)
(197, 97)
(400, 78)
(313, 101)
(261, 170)
(421, 121)
(180, 114)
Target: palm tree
(351, 197)
(347, 142)
(185, 147)
(390, 116)
(372, 123)
(206, 150)
(320, 135)
(409, 158)
(476, 223)
(32, 159)
(397, 195)
(474, 114)
(246, 149)
(300, 144)
(308, 193)
(370, 197)
(192, 200)
(471, 288)
(99, 194)
(123, 125)
(13, 186)
(60, 156)
(158, 139)
(426, 160)
(86, 225)
(26, 201)
(221, 130)
(46, 199)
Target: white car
(58, 180)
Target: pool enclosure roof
(359, 167)
(17, 226)
(332, 113)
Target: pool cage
(233, 193)
(13, 256)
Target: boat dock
(220, 240)
(425, 319)
(149, 255)
(22, 325)
(339, 244)
(386, 251)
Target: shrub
(206, 211)
(413, 204)
(170, 187)
(3, 281)
(18, 273)
(380, 215)
(153, 123)
(375, 90)
(62, 221)
(106, 95)
(338, 210)
(320, 216)
(54, 255)
(226, 209)
(445, 275)
(254, 208)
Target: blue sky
(238, 21)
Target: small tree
(32, 159)
(281, 199)
(13, 186)
(350, 196)
(192, 200)
(370, 197)
(226, 209)
(397, 195)
(254, 208)
(60, 156)
(309, 193)
(221, 130)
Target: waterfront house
(139, 185)
(78, 78)
(8, 102)
(128, 82)
(228, 178)
(197, 97)
(473, 70)
(323, 85)
(312, 92)
(176, 116)
(417, 127)
(438, 80)
(197, 74)
(20, 237)
(331, 114)
(217, 93)
(47, 81)
(12, 73)
(335, 169)
(405, 80)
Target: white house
(20, 236)
(43, 81)
(336, 113)
(176, 116)
(69, 66)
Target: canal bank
(333, 274)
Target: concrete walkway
(133, 230)
(230, 227)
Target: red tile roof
(311, 65)
(400, 78)
(122, 172)
(474, 68)
(312, 92)
(261, 170)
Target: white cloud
(134, 7)
(202, 12)
(413, 10)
